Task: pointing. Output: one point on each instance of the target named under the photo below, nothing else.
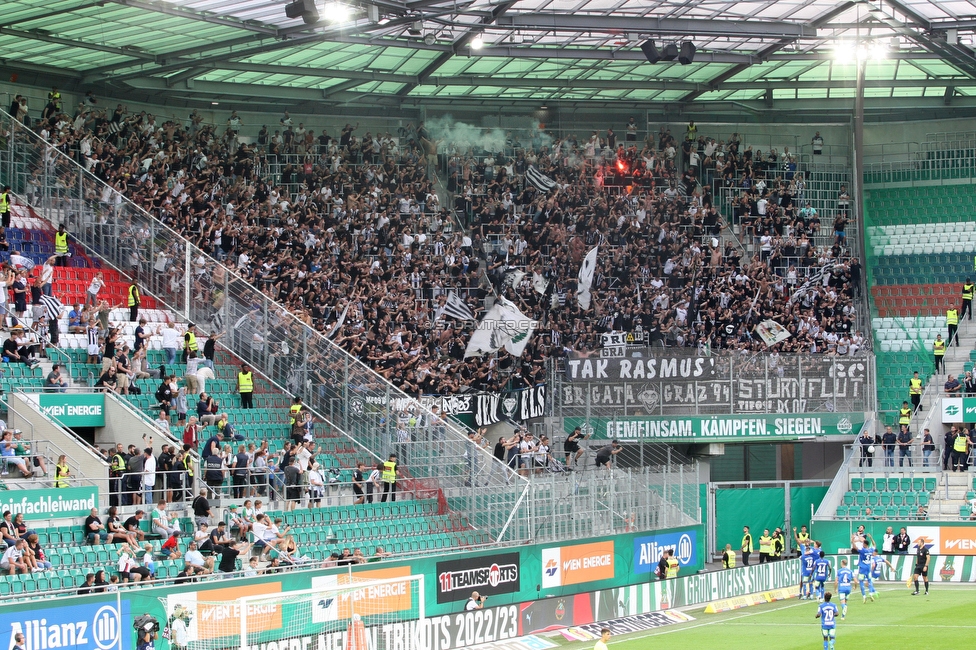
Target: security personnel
(389, 478)
(728, 557)
(5, 206)
(746, 545)
(952, 322)
(61, 474)
(960, 449)
(55, 98)
(765, 547)
(189, 341)
(295, 410)
(115, 471)
(672, 565)
(135, 299)
(61, 245)
(905, 414)
(779, 544)
(967, 299)
(245, 386)
(188, 468)
(938, 349)
(915, 390)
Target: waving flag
(586, 278)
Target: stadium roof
(408, 52)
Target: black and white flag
(539, 283)
(52, 306)
(539, 180)
(815, 281)
(456, 308)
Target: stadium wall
(520, 575)
(944, 537)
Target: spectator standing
(94, 287)
(904, 446)
(818, 144)
(171, 337)
(928, 446)
(189, 341)
(888, 441)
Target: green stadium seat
(923, 498)
(965, 512)
(903, 512)
(893, 485)
(909, 498)
(918, 484)
(861, 498)
(898, 498)
(905, 484)
(873, 499)
(885, 499)
(867, 485)
(930, 483)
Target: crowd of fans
(355, 222)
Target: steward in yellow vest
(189, 341)
(967, 299)
(389, 478)
(5, 206)
(905, 414)
(245, 386)
(728, 557)
(135, 299)
(915, 388)
(952, 323)
(938, 349)
(672, 566)
(765, 547)
(746, 546)
(61, 474)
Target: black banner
(658, 366)
(519, 405)
(488, 575)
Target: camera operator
(476, 601)
(147, 631)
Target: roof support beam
(956, 55)
(52, 14)
(769, 50)
(67, 42)
(189, 14)
(461, 43)
(650, 25)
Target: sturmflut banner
(662, 381)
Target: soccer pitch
(942, 620)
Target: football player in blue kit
(843, 583)
(877, 564)
(821, 573)
(864, 567)
(807, 558)
(827, 613)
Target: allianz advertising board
(649, 548)
(91, 626)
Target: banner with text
(663, 381)
(74, 409)
(956, 410)
(473, 409)
(728, 428)
(51, 503)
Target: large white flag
(771, 332)
(539, 283)
(504, 326)
(517, 328)
(586, 278)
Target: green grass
(942, 620)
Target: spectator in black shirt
(228, 556)
(131, 525)
(201, 509)
(94, 531)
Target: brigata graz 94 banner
(729, 428)
(664, 380)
